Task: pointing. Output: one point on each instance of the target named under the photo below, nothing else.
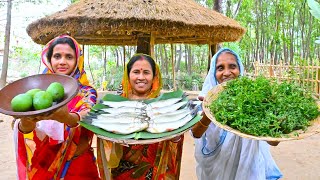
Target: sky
(23, 13)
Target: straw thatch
(119, 22)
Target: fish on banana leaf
(168, 126)
(164, 103)
(121, 128)
(170, 116)
(134, 104)
(153, 111)
(121, 110)
(139, 104)
(124, 118)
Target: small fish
(169, 126)
(154, 111)
(164, 103)
(134, 104)
(124, 118)
(121, 128)
(120, 110)
(170, 116)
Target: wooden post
(173, 73)
(152, 39)
(143, 44)
(280, 69)
(318, 82)
(271, 72)
(311, 75)
(88, 56)
(212, 52)
(256, 68)
(124, 57)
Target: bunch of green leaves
(263, 108)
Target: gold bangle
(203, 124)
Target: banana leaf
(141, 134)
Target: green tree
(4, 70)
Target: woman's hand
(200, 127)
(61, 115)
(27, 124)
(273, 143)
(64, 116)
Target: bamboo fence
(307, 74)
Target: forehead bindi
(63, 48)
(142, 65)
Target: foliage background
(278, 31)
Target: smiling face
(140, 78)
(63, 60)
(227, 67)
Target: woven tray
(313, 129)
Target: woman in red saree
(141, 80)
(54, 146)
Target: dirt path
(7, 158)
(298, 160)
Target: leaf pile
(262, 108)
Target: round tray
(41, 81)
(213, 94)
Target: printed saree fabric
(48, 152)
(152, 161)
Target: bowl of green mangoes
(37, 94)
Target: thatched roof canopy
(119, 22)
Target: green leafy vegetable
(263, 108)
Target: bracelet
(203, 124)
(78, 114)
(176, 140)
(79, 119)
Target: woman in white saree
(221, 155)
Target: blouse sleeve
(89, 98)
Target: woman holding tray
(161, 160)
(54, 146)
(223, 155)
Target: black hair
(140, 57)
(64, 40)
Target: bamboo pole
(124, 57)
(88, 61)
(318, 83)
(306, 77)
(209, 57)
(256, 69)
(173, 73)
(312, 76)
(152, 38)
